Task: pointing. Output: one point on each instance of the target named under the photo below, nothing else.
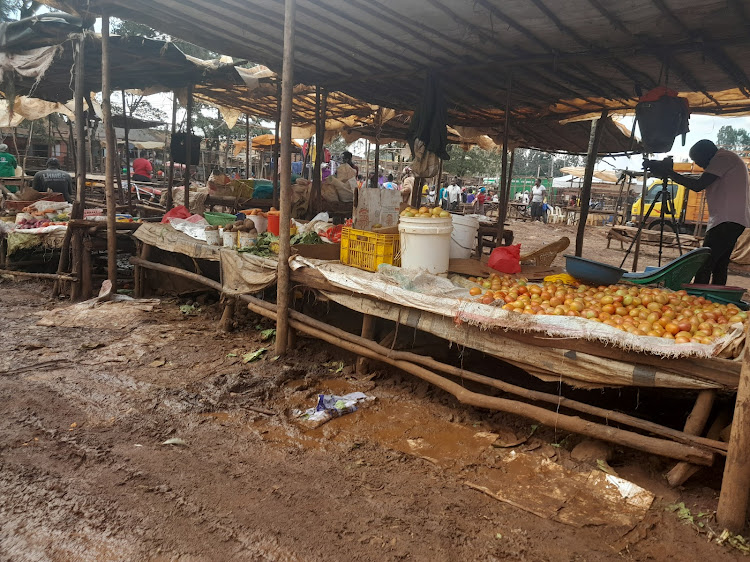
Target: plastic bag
(194, 226)
(506, 259)
(179, 212)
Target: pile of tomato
(643, 311)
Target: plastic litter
(330, 406)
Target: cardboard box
(376, 206)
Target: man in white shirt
(454, 195)
(727, 187)
(537, 200)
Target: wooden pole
(315, 196)
(588, 177)
(276, 186)
(109, 166)
(170, 185)
(378, 118)
(284, 171)
(694, 425)
(640, 222)
(732, 511)
(368, 332)
(188, 144)
(502, 208)
(247, 146)
(80, 129)
(125, 116)
(367, 161)
(371, 350)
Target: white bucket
(464, 236)
(229, 239)
(213, 238)
(425, 244)
(261, 223)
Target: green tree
(737, 140)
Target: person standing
(725, 181)
(537, 200)
(8, 162)
(454, 195)
(443, 197)
(54, 179)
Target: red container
(273, 224)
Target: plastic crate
(367, 250)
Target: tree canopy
(737, 140)
(488, 163)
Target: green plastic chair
(674, 274)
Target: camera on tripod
(659, 168)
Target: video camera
(659, 168)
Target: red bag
(506, 259)
(179, 212)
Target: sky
(701, 127)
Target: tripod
(666, 205)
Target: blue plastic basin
(592, 272)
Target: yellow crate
(367, 250)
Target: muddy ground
(84, 474)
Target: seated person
(142, 169)
(54, 179)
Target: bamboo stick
(127, 154)
(502, 210)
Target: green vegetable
(262, 247)
(307, 238)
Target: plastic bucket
(273, 224)
(425, 244)
(261, 223)
(464, 236)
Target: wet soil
(84, 473)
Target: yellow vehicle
(687, 205)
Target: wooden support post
(732, 511)
(170, 185)
(139, 273)
(378, 126)
(368, 332)
(321, 99)
(640, 221)
(76, 250)
(80, 128)
(125, 116)
(248, 144)
(694, 425)
(416, 192)
(276, 186)
(227, 315)
(502, 208)
(284, 170)
(594, 137)
(188, 144)
(109, 166)
(87, 279)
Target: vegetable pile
(642, 311)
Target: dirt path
(84, 476)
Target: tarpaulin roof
(564, 58)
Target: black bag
(178, 145)
(660, 121)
